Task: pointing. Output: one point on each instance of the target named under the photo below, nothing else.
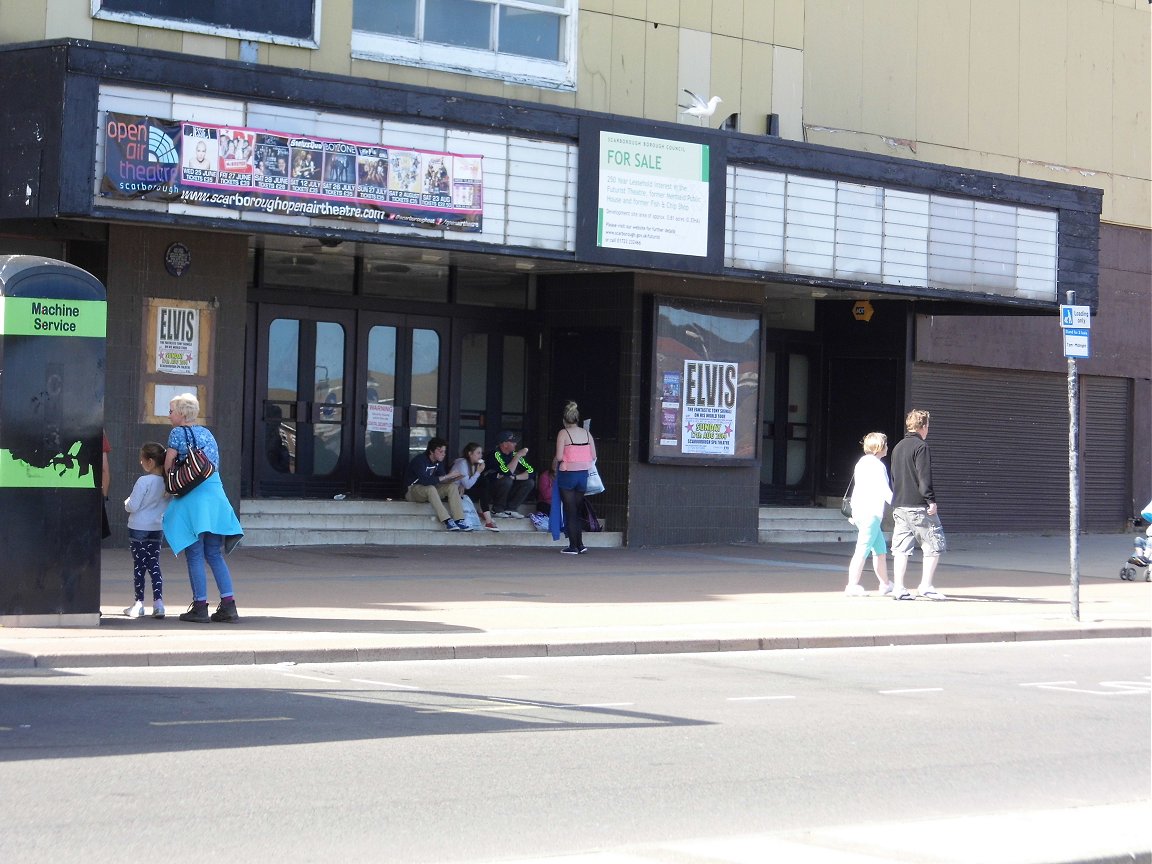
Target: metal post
(1074, 477)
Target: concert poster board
(703, 388)
(239, 168)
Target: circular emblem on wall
(177, 259)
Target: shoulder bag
(189, 472)
(846, 504)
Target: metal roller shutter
(1106, 498)
(999, 444)
(1000, 448)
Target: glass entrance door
(345, 399)
(787, 431)
(302, 379)
(401, 363)
(493, 387)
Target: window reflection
(458, 22)
(425, 388)
(381, 400)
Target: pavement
(369, 603)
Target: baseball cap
(508, 435)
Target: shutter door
(1106, 499)
(999, 442)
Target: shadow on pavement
(66, 718)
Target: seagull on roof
(700, 108)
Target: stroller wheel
(1127, 573)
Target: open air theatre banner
(292, 175)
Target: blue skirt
(564, 480)
(205, 509)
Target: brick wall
(136, 272)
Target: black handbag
(846, 503)
(189, 472)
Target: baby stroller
(1141, 556)
(1140, 560)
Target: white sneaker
(932, 594)
(514, 514)
(855, 591)
(157, 608)
(903, 595)
(136, 610)
(885, 590)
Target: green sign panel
(64, 472)
(38, 316)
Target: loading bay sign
(1075, 321)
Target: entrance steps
(314, 522)
(805, 525)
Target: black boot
(226, 611)
(197, 612)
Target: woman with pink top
(575, 454)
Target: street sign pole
(1074, 485)
(1074, 477)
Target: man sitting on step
(428, 480)
(509, 477)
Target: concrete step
(264, 537)
(794, 516)
(313, 522)
(804, 525)
(364, 522)
(846, 535)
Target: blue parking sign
(1079, 317)
(1076, 341)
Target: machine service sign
(33, 316)
(292, 175)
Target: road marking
(383, 683)
(1117, 688)
(756, 698)
(598, 705)
(478, 709)
(310, 677)
(216, 722)
(913, 690)
(1046, 683)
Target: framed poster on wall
(176, 355)
(703, 389)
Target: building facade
(350, 226)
